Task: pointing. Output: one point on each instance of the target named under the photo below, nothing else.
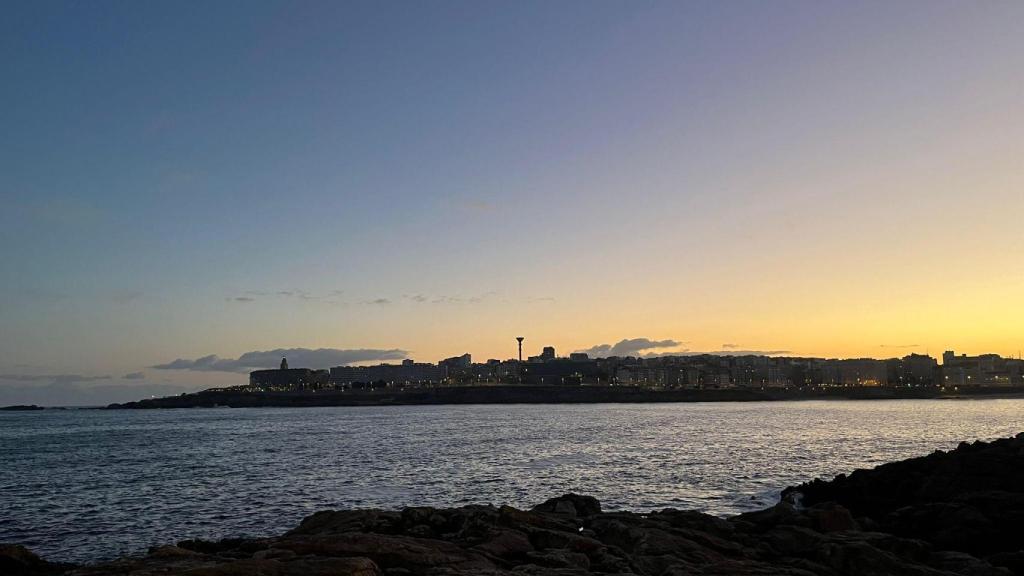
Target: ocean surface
(86, 485)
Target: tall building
(548, 353)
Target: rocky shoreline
(957, 512)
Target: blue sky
(181, 181)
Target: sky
(189, 192)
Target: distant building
(856, 372)
(463, 361)
(559, 371)
(918, 370)
(983, 370)
(706, 371)
(408, 372)
(717, 380)
(508, 370)
(289, 379)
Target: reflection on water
(85, 485)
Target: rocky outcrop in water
(955, 513)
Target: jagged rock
(571, 505)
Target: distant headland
(547, 378)
(530, 394)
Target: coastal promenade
(956, 512)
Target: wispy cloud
(899, 345)
(330, 297)
(540, 299)
(458, 300)
(729, 346)
(297, 358)
(378, 302)
(134, 376)
(454, 300)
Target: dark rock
(571, 505)
(17, 560)
(782, 513)
(560, 558)
(961, 563)
(970, 499)
(830, 517)
(331, 522)
(541, 539)
(1013, 561)
(794, 540)
(506, 544)
(861, 558)
(388, 551)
